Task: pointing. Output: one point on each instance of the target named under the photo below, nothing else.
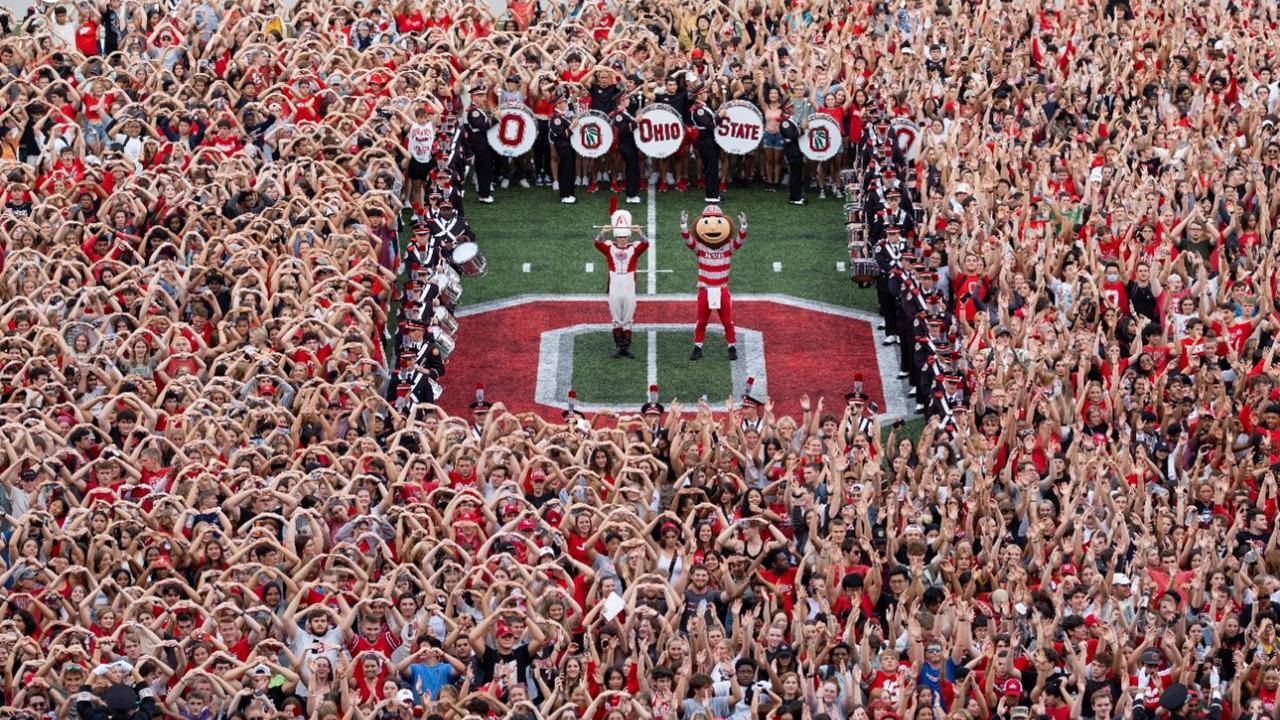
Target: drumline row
(660, 131)
(884, 138)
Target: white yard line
(652, 359)
(652, 262)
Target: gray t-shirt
(715, 707)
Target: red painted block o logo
(511, 130)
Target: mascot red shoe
(715, 240)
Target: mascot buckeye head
(713, 228)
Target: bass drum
(468, 259)
(513, 132)
(591, 134)
(820, 140)
(740, 127)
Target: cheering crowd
(226, 493)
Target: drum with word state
(739, 127)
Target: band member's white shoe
(569, 200)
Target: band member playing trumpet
(622, 257)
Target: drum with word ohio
(821, 138)
(514, 130)
(739, 127)
(659, 130)
(591, 134)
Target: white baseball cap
(1120, 579)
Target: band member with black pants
(566, 156)
(624, 124)
(704, 119)
(478, 122)
(791, 153)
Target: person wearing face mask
(1114, 290)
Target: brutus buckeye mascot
(715, 240)
(622, 256)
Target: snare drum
(864, 272)
(444, 342)
(469, 260)
(863, 269)
(445, 320)
(449, 286)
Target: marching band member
(622, 256)
(566, 156)
(624, 124)
(478, 122)
(704, 121)
(791, 132)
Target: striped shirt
(713, 262)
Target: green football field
(536, 245)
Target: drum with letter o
(906, 137)
(591, 134)
(659, 130)
(739, 127)
(513, 132)
(821, 138)
(469, 260)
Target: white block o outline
(555, 363)
(895, 391)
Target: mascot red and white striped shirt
(713, 262)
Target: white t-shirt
(331, 640)
(421, 138)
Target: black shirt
(1142, 299)
(605, 98)
(491, 661)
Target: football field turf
(536, 245)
